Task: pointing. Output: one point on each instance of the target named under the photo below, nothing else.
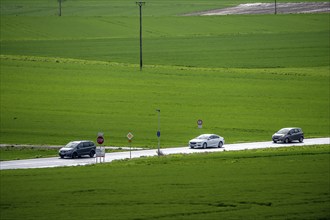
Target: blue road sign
(158, 133)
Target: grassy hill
(69, 77)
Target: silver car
(207, 140)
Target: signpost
(158, 132)
(130, 137)
(100, 152)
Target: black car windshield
(71, 145)
(203, 137)
(283, 131)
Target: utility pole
(140, 4)
(275, 7)
(60, 8)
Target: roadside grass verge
(30, 152)
(19, 153)
(258, 184)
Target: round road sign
(100, 139)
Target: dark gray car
(287, 135)
(77, 149)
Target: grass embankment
(285, 183)
(19, 153)
(51, 102)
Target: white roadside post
(130, 137)
(200, 123)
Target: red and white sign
(100, 138)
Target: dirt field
(269, 8)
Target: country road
(57, 162)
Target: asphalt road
(58, 162)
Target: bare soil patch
(269, 8)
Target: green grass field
(284, 183)
(69, 77)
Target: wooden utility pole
(275, 7)
(60, 8)
(140, 4)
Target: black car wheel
(301, 139)
(74, 155)
(220, 144)
(205, 145)
(92, 153)
(286, 140)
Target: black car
(287, 135)
(77, 149)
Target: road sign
(100, 138)
(158, 133)
(100, 152)
(130, 136)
